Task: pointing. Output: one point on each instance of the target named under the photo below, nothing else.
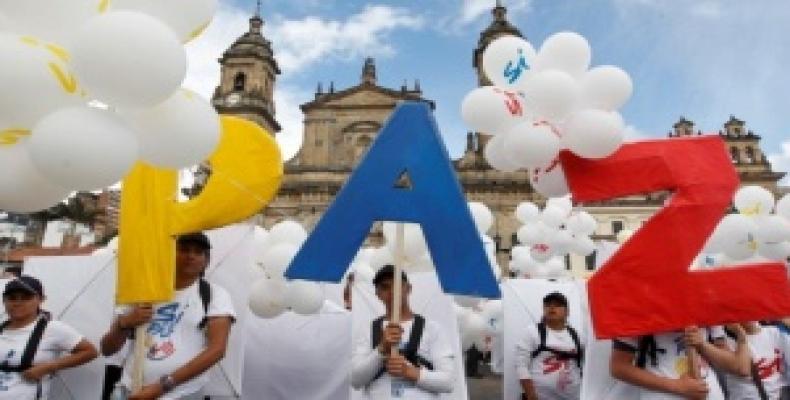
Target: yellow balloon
(246, 171)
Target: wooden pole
(397, 281)
(141, 344)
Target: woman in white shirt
(32, 348)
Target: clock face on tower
(233, 99)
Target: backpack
(30, 349)
(563, 355)
(113, 373)
(412, 346)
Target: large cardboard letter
(646, 286)
(409, 145)
(246, 170)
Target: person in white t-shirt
(414, 375)
(767, 347)
(550, 368)
(33, 347)
(659, 365)
(188, 335)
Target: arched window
(239, 81)
(736, 157)
(749, 157)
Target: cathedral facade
(339, 126)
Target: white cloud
(707, 9)
(286, 101)
(781, 162)
(299, 43)
(633, 134)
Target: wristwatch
(167, 382)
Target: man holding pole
(185, 337)
(405, 356)
(673, 366)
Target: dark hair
(387, 272)
(555, 298)
(198, 239)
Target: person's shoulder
(60, 328)
(217, 289)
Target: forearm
(365, 367)
(640, 377)
(113, 340)
(83, 353)
(736, 363)
(199, 364)
(440, 379)
(529, 389)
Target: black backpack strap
(542, 335)
(576, 342)
(4, 325)
(32, 344)
(204, 290)
(413, 345)
(376, 328)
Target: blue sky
(702, 59)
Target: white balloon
(519, 252)
(362, 272)
(731, 229)
(541, 252)
(563, 202)
(773, 228)
(180, 132)
(532, 233)
(553, 94)
(754, 200)
(581, 223)
(594, 133)
(527, 212)
(277, 258)
(494, 154)
(561, 242)
(554, 268)
(549, 180)
(506, 61)
(35, 81)
(482, 216)
(23, 188)
(267, 298)
(414, 245)
(303, 297)
(606, 88)
(129, 59)
(531, 144)
(775, 251)
(493, 314)
(553, 216)
(492, 110)
(52, 20)
(83, 148)
(287, 231)
(381, 256)
(783, 207)
(566, 51)
(582, 245)
(188, 18)
(467, 301)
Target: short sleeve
(64, 337)
(221, 304)
(528, 343)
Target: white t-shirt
(58, 338)
(367, 362)
(176, 338)
(768, 351)
(553, 377)
(672, 363)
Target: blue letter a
(409, 142)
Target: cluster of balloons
(272, 295)
(478, 321)
(416, 257)
(92, 86)
(547, 235)
(759, 231)
(544, 101)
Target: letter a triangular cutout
(405, 176)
